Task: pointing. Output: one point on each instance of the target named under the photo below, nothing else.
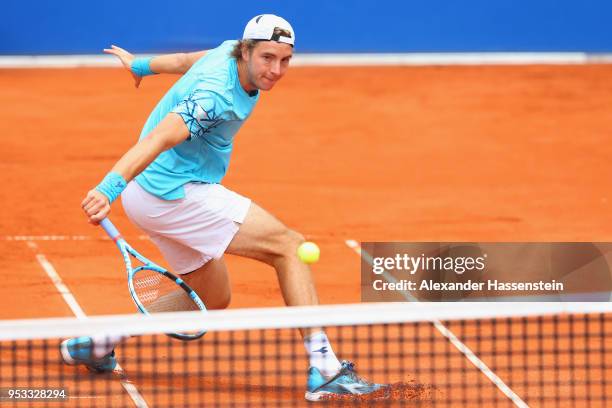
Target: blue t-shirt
(214, 106)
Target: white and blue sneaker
(345, 383)
(79, 350)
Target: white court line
(80, 314)
(57, 281)
(465, 350)
(360, 59)
(64, 238)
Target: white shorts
(190, 231)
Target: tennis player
(170, 187)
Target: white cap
(269, 27)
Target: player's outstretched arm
(170, 132)
(162, 64)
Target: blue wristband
(112, 186)
(142, 66)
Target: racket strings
(158, 293)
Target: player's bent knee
(296, 239)
(289, 241)
(279, 246)
(286, 246)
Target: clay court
(448, 153)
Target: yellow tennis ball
(308, 252)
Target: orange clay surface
(370, 154)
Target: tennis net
(430, 354)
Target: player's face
(267, 63)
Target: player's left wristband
(112, 186)
(142, 66)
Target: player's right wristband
(142, 66)
(112, 186)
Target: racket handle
(110, 229)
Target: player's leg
(211, 282)
(263, 237)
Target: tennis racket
(153, 288)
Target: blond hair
(248, 45)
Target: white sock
(104, 344)
(321, 354)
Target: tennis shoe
(345, 383)
(79, 350)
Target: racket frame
(127, 251)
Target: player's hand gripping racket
(152, 287)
